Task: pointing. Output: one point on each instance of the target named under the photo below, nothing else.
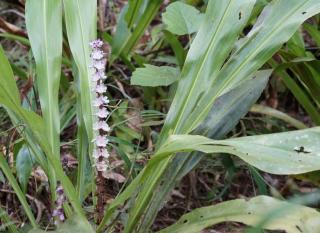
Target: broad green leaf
(181, 18)
(24, 163)
(81, 20)
(80, 17)
(221, 26)
(204, 59)
(72, 225)
(154, 76)
(223, 117)
(292, 218)
(286, 153)
(276, 24)
(293, 152)
(35, 124)
(45, 36)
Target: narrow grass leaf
(7, 171)
(265, 110)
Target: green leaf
(204, 60)
(45, 36)
(273, 28)
(35, 124)
(72, 225)
(286, 153)
(153, 76)
(24, 163)
(293, 218)
(181, 18)
(298, 93)
(223, 117)
(134, 6)
(221, 26)
(313, 31)
(7, 171)
(278, 114)
(81, 21)
(179, 52)
(127, 37)
(9, 91)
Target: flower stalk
(101, 128)
(58, 212)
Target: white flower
(102, 100)
(96, 44)
(101, 125)
(100, 65)
(101, 141)
(97, 54)
(101, 166)
(100, 153)
(101, 88)
(98, 76)
(102, 113)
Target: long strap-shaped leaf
(225, 114)
(128, 34)
(277, 23)
(10, 100)
(7, 171)
(183, 121)
(286, 153)
(80, 17)
(293, 152)
(292, 218)
(221, 26)
(214, 41)
(45, 35)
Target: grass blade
(9, 98)
(277, 114)
(7, 172)
(127, 37)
